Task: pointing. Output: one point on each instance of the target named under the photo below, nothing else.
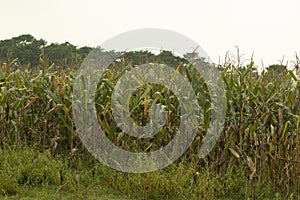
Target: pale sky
(269, 29)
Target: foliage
(26, 49)
(257, 156)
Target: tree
(25, 48)
(277, 69)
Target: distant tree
(138, 57)
(278, 69)
(65, 54)
(168, 58)
(25, 48)
(61, 54)
(83, 52)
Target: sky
(269, 30)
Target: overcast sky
(269, 29)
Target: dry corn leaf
(250, 164)
(233, 152)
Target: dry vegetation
(257, 156)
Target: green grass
(29, 174)
(47, 193)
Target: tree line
(27, 50)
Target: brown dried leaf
(234, 153)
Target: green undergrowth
(30, 174)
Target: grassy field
(30, 174)
(257, 156)
(31, 193)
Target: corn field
(261, 132)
